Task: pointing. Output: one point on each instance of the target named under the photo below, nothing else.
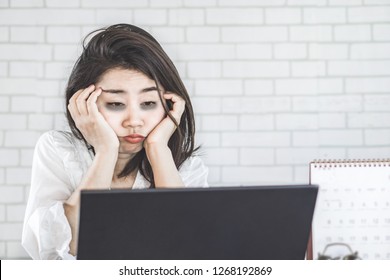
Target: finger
(72, 107)
(178, 105)
(91, 102)
(81, 100)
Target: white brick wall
(274, 83)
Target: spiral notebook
(353, 206)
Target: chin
(126, 149)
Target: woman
(132, 126)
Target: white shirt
(60, 162)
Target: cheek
(113, 120)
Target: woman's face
(130, 104)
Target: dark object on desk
(266, 222)
(351, 256)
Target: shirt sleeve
(46, 231)
(194, 173)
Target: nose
(133, 118)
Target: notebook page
(353, 207)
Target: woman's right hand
(91, 123)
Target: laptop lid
(264, 222)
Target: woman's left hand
(161, 134)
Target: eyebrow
(121, 91)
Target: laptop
(216, 223)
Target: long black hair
(127, 46)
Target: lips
(134, 138)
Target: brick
(15, 213)
(304, 104)
(4, 104)
(377, 137)
(369, 152)
(295, 86)
(330, 86)
(377, 103)
(64, 34)
(60, 122)
(26, 104)
(308, 69)
(4, 34)
(13, 121)
(258, 87)
(345, 2)
(370, 51)
(113, 4)
(257, 156)
(249, 69)
(186, 17)
(367, 85)
(381, 32)
(208, 139)
(62, 4)
(236, 16)
(4, 3)
(2, 175)
(26, 3)
(58, 70)
(368, 14)
(254, 3)
(257, 175)
(200, 3)
(3, 69)
(306, 155)
(255, 139)
(21, 139)
(18, 175)
(11, 52)
(368, 120)
(26, 69)
(169, 34)
(256, 105)
(219, 123)
(306, 3)
(110, 16)
(359, 68)
(214, 175)
(332, 120)
(204, 69)
(283, 16)
(68, 53)
(10, 231)
(341, 137)
(318, 33)
(11, 194)
(376, 2)
(2, 218)
(11, 86)
(26, 157)
(9, 157)
(340, 103)
(254, 34)
(42, 122)
(290, 51)
(296, 121)
(27, 34)
(16, 251)
(54, 105)
(218, 87)
(221, 156)
(328, 51)
(48, 88)
(256, 122)
(46, 17)
(254, 51)
(187, 52)
(324, 15)
(352, 33)
(165, 4)
(203, 34)
(305, 139)
(207, 105)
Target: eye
(148, 104)
(115, 105)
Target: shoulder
(191, 163)
(58, 140)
